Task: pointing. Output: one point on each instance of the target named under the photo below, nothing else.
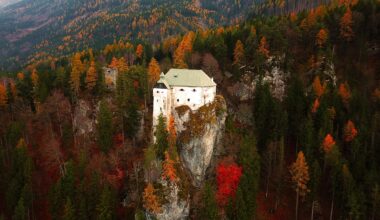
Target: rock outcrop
(83, 123)
(176, 208)
(200, 133)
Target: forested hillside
(297, 112)
(33, 29)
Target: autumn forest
(293, 131)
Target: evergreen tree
(68, 212)
(161, 135)
(104, 128)
(105, 207)
(249, 183)
(210, 207)
(20, 212)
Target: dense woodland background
(315, 143)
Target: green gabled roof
(186, 78)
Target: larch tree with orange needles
(168, 169)
(76, 71)
(3, 96)
(328, 143)
(299, 171)
(346, 23)
(122, 65)
(318, 88)
(154, 71)
(139, 51)
(91, 76)
(321, 37)
(263, 47)
(344, 93)
(350, 132)
(113, 63)
(315, 106)
(151, 200)
(238, 53)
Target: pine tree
(69, 212)
(91, 76)
(20, 212)
(210, 207)
(299, 171)
(105, 208)
(104, 127)
(161, 135)
(249, 183)
(34, 77)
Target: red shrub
(228, 177)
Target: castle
(181, 87)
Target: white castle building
(182, 87)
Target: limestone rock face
(83, 124)
(176, 208)
(200, 133)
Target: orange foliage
(350, 131)
(317, 87)
(299, 171)
(315, 106)
(293, 16)
(121, 65)
(344, 92)
(20, 76)
(321, 37)
(91, 76)
(376, 94)
(328, 143)
(151, 201)
(263, 47)
(168, 167)
(34, 78)
(346, 22)
(154, 71)
(309, 21)
(3, 96)
(76, 71)
(113, 63)
(139, 51)
(184, 48)
(238, 53)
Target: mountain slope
(59, 27)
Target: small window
(160, 108)
(158, 92)
(188, 100)
(177, 100)
(181, 90)
(157, 100)
(194, 90)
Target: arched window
(177, 100)
(194, 90)
(188, 100)
(181, 90)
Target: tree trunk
(312, 210)
(297, 205)
(332, 206)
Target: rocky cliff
(200, 133)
